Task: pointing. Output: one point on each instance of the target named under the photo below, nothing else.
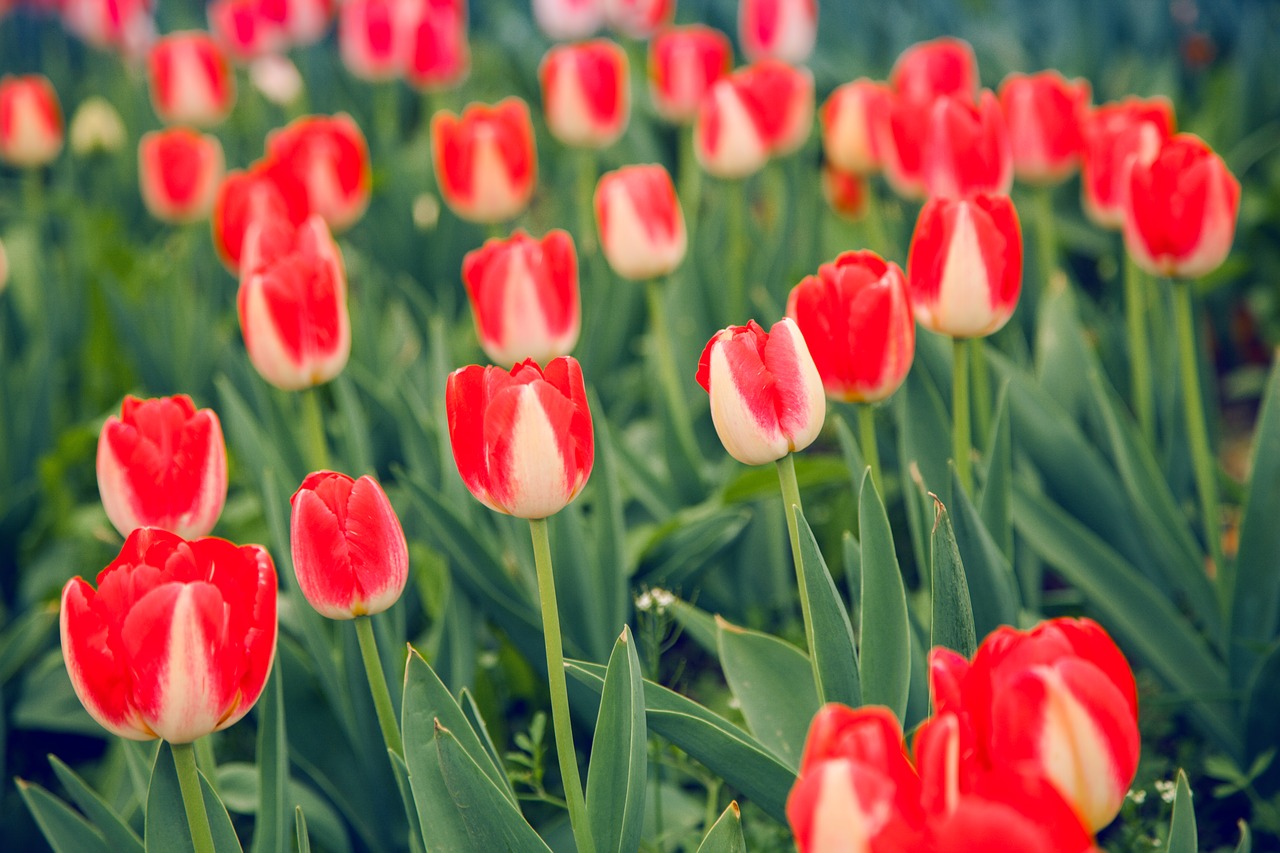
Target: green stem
(184, 761)
(586, 202)
(690, 177)
(664, 352)
(559, 689)
(877, 235)
(791, 503)
(313, 424)
(1046, 236)
(378, 685)
(870, 450)
(1197, 434)
(736, 257)
(1135, 309)
(981, 387)
(386, 105)
(961, 443)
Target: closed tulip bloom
(967, 150)
(328, 156)
(845, 192)
(964, 267)
(96, 127)
(641, 224)
(856, 318)
(784, 95)
(302, 22)
(766, 394)
(521, 438)
(683, 63)
(243, 31)
(782, 29)
(568, 20)
(30, 121)
(439, 53)
(524, 296)
(178, 638)
(901, 140)
(484, 160)
(371, 38)
(1180, 217)
(179, 171)
(1045, 113)
(349, 551)
(162, 463)
(931, 69)
(292, 303)
(759, 111)
(122, 25)
(586, 92)
(191, 80)
(853, 123)
(246, 196)
(1115, 135)
(639, 19)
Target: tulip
(30, 121)
(521, 439)
(293, 303)
(246, 196)
(781, 29)
(484, 161)
(1115, 134)
(901, 140)
(349, 551)
(524, 296)
(190, 79)
(242, 30)
(964, 267)
(641, 225)
(162, 463)
(762, 110)
(1045, 114)
(124, 25)
(179, 171)
(329, 158)
(683, 63)
(766, 394)
(967, 148)
(586, 93)
(371, 38)
(568, 20)
(95, 127)
(301, 22)
(639, 19)
(856, 318)
(853, 123)
(439, 55)
(845, 192)
(931, 69)
(178, 638)
(277, 79)
(1180, 216)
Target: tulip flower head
(328, 157)
(757, 112)
(177, 639)
(1045, 113)
(439, 54)
(162, 463)
(967, 148)
(349, 551)
(191, 80)
(639, 19)
(30, 121)
(642, 231)
(568, 20)
(844, 191)
(586, 92)
(484, 160)
(766, 394)
(179, 172)
(96, 127)
(246, 196)
(932, 69)
(853, 122)
(683, 63)
(243, 31)
(371, 38)
(1116, 135)
(781, 29)
(122, 25)
(521, 438)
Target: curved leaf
(725, 835)
(64, 829)
(952, 623)
(492, 821)
(885, 657)
(167, 830)
(833, 649)
(619, 765)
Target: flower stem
(669, 376)
(378, 685)
(1135, 309)
(877, 233)
(870, 450)
(690, 177)
(184, 761)
(559, 689)
(981, 387)
(736, 256)
(587, 170)
(961, 444)
(790, 499)
(313, 424)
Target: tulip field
(639, 425)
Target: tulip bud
(856, 318)
(901, 141)
(683, 63)
(568, 20)
(302, 22)
(639, 19)
(123, 25)
(277, 78)
(1045, 113)
(964, 267)
(484, 161)
(95, 127)
(521, 439)
(328, 156)
(162, 463)
(524, 296)
(641, 225)
(293, 303)
(178, 638)
(781, 29)
(1180, 216)
(247, 196)
(1115, 134)
(967, 149)
(439, 55)
(349, 551)
(191, 80)
(766, 394)
(853, 120)
(179, 171)
(371, 38)
(931, 69)
(586, 93)
(243, 31)
(844, 191)
(759, 111)
(30, 121)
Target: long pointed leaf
(833, 649)
(1182, 825)
(886, 632)
(993, 590)
(118, 834)
(952, 624)
(167, 830)
(725, 835)
(619, 767)
(64, 829)
(271, 829)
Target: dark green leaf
(725, 835)
(300, 830)
(1261, 722)
(952, 625)
(20, 641)
(619, 768)
(885, 656)
(64, 829)
(401, 771)
(997, 488)
(833, 649)
(1246, 838)
(993, 592)
(119, 836)
(492, 821)
(271, 829)
(1182, 826)
(472, 712)
(698, 624)
(167, 830)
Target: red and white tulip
(930, 69)
(967, 148)
(853, 123)
(642, 231)
(485, 162)
(179, 172)
(683, 63)
(191, 80)
(30, 121)
(757, 112)
(639, 19)
(439, 52)
(780, 29)
(329, 157)
(1045, 114)
(568, 20)
(586, 92)
(1117, 134)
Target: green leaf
(401, 771)
(682, 547)
(20, 641)
(610, 529)
(725, 835)
(833, 648)
(119, 836)
(167, 830)
(492, 821)
(952, 624)
(619, 755)
(773, 683)
(997, 488)
(271, 829)
(993, 591)
(64, 829)
(1246, 838)
(469, 708)
(300, 830)
(726, 750)
(886, 632)
(698, 624)
(1182, 826)
(1261, 723)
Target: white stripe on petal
(1077, 756)
(188, 692)
(963, 308)
(839, 826)
(746, 439)
(538, 486)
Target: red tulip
(247, 196)
(439, 54)
(30, 121)
(639, 19)
(191, 80)
(568, 20)
(123, 25)
(521, 439)
(683, 63)
(854, 119)
(242, 30)
(967, 150)
(1180, 216)
(964, 268)
(484, 161)
(162, 463)
(329, 158)
(1115, 134)
(372, 38)
(1045, 113)
(759, 111)
(781, 29)
(524, 296)
(856, 318)
(301, 22)
(642, 231)
(766, 394)
(293, 303)
(179, 171)
(349, 551)
(901, 140)
(931, 69)
(178, 638)
(845, 192)
(586, 92)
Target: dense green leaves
(833, 647)
(167, 827)
(618, 773)
(885, 659)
